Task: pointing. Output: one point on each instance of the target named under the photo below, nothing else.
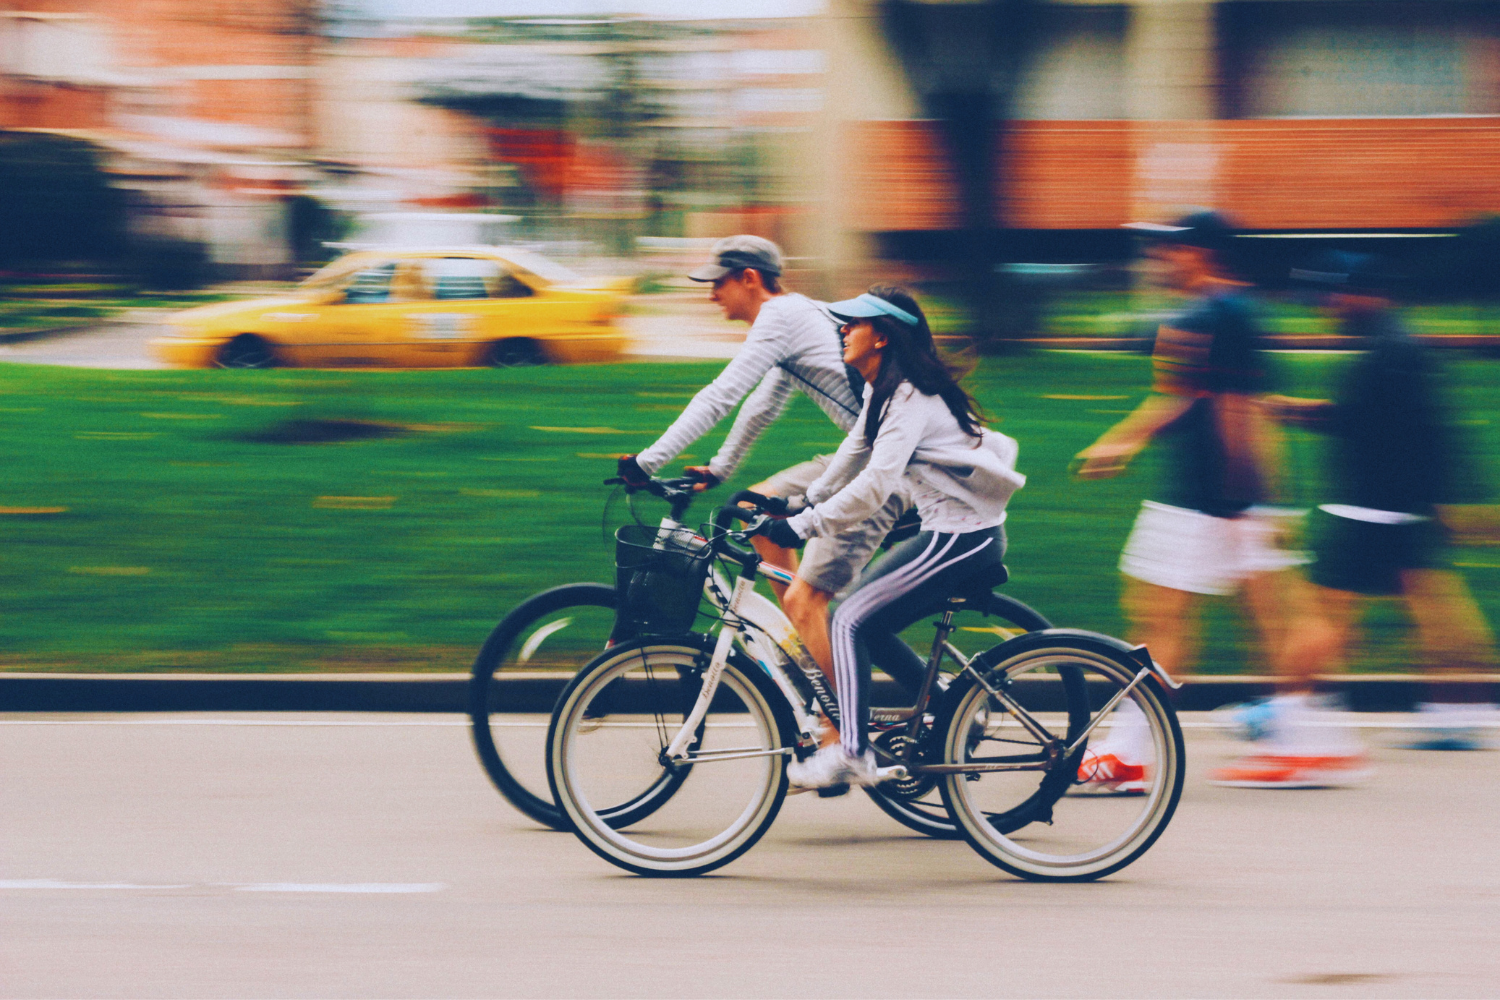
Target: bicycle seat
(985, 581)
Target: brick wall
(174, 38)
(1270, 174)
(25, 104)
(899, 178)
(1066, 175)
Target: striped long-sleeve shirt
(792, 345)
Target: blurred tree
(963, 59)
(311, 224)
(56, 203)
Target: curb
(448, 692)
(43, 332)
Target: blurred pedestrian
(1204, 536)
(1394, 467)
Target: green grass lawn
(186, 544)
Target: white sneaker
(832, 766)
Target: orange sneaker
(1266, 770)
(1107, 774)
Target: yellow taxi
(498, 306)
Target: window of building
(1075, 68)
(1352, 60)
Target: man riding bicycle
(793, 345)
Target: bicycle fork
(676, 752)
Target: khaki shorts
(831, 564)
(1189, 550)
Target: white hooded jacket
(957, 482)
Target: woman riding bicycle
(919, 429)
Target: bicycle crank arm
(709, 756)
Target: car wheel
(246, 351)
(516, 352)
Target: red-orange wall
(1269, 174)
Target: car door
(347, 330)
(475, 302)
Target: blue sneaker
(1252, 721)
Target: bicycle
(562, 629)
(658, 710)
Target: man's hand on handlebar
(631, 472)
(703, 478)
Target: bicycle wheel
(916, 802)
(599, 753)
(1023, 820)
(539, 645)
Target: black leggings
(919, 573)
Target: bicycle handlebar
(680, 494)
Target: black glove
(702, 474)
(630, 470)
(780, 533)
(775, 506)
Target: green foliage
(187, 545)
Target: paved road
(109, 345)
(367, 856)
(664, 327)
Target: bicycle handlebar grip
(732, 509)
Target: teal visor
(865, 305)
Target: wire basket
(659, 574)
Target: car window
(370, 284)
(471, 278)
(335, 274)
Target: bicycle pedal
(833, 791)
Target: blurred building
(205, 109)
(1308, 115)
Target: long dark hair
(911, 356)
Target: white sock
(1311, 727)
(1129, 734)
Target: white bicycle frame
(772, 642)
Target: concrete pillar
(1172, 91)
(864, 82)
(1170, 51)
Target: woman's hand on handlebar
(780, 533)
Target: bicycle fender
(1106, 644)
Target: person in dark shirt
(1396, 469)
(1205, 535)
